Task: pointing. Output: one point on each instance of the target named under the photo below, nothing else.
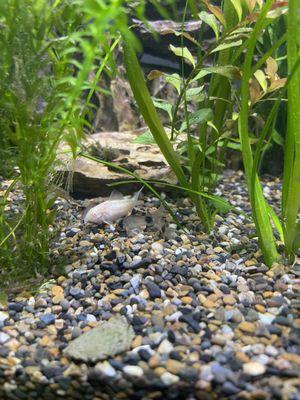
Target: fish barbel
(110, 210)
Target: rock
(188, 318)
(106, 369)
(247, 327)
(4, 337)
(48, 318)
(90, 178)
(174, 366)
(254, 368)
(153, 289)
(110, 338)
(165, 347)
(229, 388)
(90, 318)
(229, 300)
(169, 379)
(3, 316)
(133, 370)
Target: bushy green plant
(213, 85)
(48, 50)
(246, 32)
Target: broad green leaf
(261, 79)
(183, 52)
(144, 138)
(238, 8)
(210, 20)
(198, 117)
(163, 105)
(229, 71)
(174, 80)
(195, 94)
(225, 46)
(147, 108)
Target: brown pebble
(137, 341)
(247, 327)
(229, 300)
(174, 366)
(186, 300)
(260, 308)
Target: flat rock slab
(91, 179)
(110, 338)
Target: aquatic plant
(264, 217)
(223, 104)
(48, 51)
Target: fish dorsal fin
(136, 195)
(116, 195)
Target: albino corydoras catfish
(112, 209)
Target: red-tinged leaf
(217, 12)
(254, 91)
(277, 84)
(271, 69)
(250, 4)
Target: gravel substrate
(210, 320)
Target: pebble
(48, 318)
(133, 370)
(165, 347)
(209, 318)
(169, 379)
(4, 337)
(254, 368)
(106, 369)
(153, 289)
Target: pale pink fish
(110, 210)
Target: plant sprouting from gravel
(48, 51)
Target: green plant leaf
(198, 117)
(277, 137)
(225, 46)
(174, 80)
(144, 138)
(147, 108)
(195, 94)
(238, 8)
(163, 105)
(229, 71)
(183, 52)
(296, 243)
(210, 20)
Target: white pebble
(133, 370)
(4, 337)
(174, 317)
(90, 318)
(106, 369)
(168, 379)
(254, 368)
(165, 347)
(157, 247)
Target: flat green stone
(110, 338)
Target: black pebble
(153, 289)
